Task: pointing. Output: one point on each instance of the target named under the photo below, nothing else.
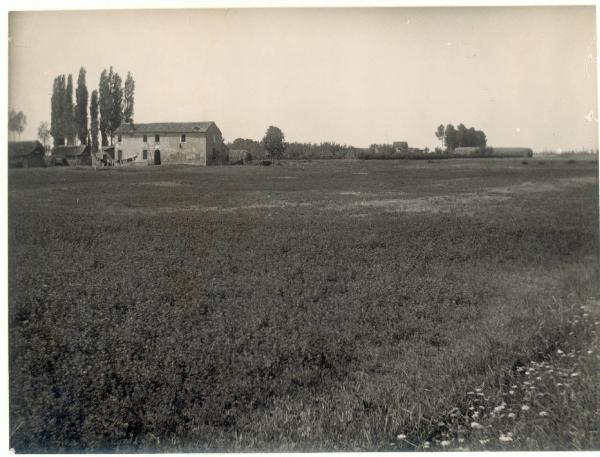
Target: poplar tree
(57, 102)
(128, 98)
(81, 109)
(116, 113)
(94, 127)
(105, 103)
(68, 113)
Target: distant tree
(273, 142)
(70, 128)
(461, 135)
(57, 129)
(440, 133)
(16, 123)
(480, 139)
(94, 127)
(81, 108)
(128, 98)
(43, 133)
(116, 112)
(450, 137)
(105, 104)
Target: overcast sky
(526, 76)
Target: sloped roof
(23, 148)
(68, 151)
(165, 127)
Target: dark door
(157, 157)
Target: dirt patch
(432, 204)
(161, 184)
(532, 186)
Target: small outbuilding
(25, 154)
(239, 156)
(71, 155)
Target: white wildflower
(558, 351)
(544, 414)
(512, 415)
(401, 436)
(499, 408)
(484, 441)
(476, 426)
(445, 443)
(573, 375)
(524, 408)
(511, 392)
(505, 438)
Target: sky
(526, 76)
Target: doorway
(157, 157)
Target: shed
(467, 151)
(25, 154)
(71, 155)
(239, 155)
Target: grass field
(338, 305)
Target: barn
(467, 151)
(25, 154)
(71, 155)
(196, 143)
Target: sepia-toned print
(300, 230)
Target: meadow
(309, 306)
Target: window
(183, 138)
(157, 138)
(145, 139)
(119, 154)
(145, 154)
(119, 138)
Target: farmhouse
(198, 143)
(25, 154)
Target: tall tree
(43, 133)
(16, 123)
(439, 133)
(450, 137)
(81, 109)
(481, 139)
(57, 129)
(94, 120)
(68, 113)
(116, 112)
(128, 98)
(461, 135)
(105, 104)
(274, 142)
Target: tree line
(109, 106)
(460, 137)
(273, 145)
